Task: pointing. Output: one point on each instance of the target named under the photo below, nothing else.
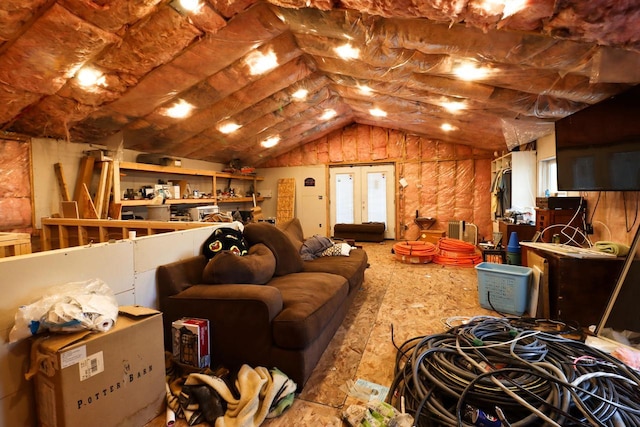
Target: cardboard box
(191, 341)
(113, 378)
(431, 236)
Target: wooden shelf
(239, 199)
(172, 170)
(209, 201)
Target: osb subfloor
(414, 299)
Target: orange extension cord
(456, 252)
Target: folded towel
(618, 249)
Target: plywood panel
(286, 199)
(541, 266)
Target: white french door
(363, 194)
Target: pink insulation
(335, 147)
(150, 54)
(445, 181)
(350, 143)
(13, 101)
(14, 14)
(139, 52)
(112, 15)
(15, 186)
(45, 69)
(322, 150)
(379, 143)
(363, 143)
(545, 59)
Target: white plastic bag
(68, 307)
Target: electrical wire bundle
(493, 372)
(456, 252)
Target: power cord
(505, 368)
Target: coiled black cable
(498, 366)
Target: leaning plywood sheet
(541, 269)
(286, 199)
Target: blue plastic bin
(503, 287)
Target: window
(548, 177)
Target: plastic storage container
(503, 288)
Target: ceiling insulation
(542, 60)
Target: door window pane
(344, 199)
(376, 197)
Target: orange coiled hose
(416, 248)
(415, 252)
(456, 252)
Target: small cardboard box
(431, 236)
(113, 378)
(191, 341)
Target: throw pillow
(257, 267)
(287, 256)
(224, 239)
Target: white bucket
(158, 212)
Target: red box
(191, 341)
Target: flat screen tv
(598, 148)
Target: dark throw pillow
(257, 267)
(225, 239)
(288, 258)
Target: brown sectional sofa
(285, 323)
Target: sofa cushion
(288, 258)
(293, 230)
(257, 267)
(350, 267)
(309, 302)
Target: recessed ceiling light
(228, 127)
(328, 114)
(270, 142)
(364, 89)
(90, 77)
(470, 71)
(376, 112)
(346, 51)
(186, 6)
(260, 63)
(447, 127)
(454, 106)
(180, 109)
(300, 94)
(493, 6)
(512, 7)
(191, 5)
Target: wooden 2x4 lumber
(85, 173)
(102, 185)
(62, 182)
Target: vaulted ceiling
(535, 61)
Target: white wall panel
(25, 277)
(146, 289)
